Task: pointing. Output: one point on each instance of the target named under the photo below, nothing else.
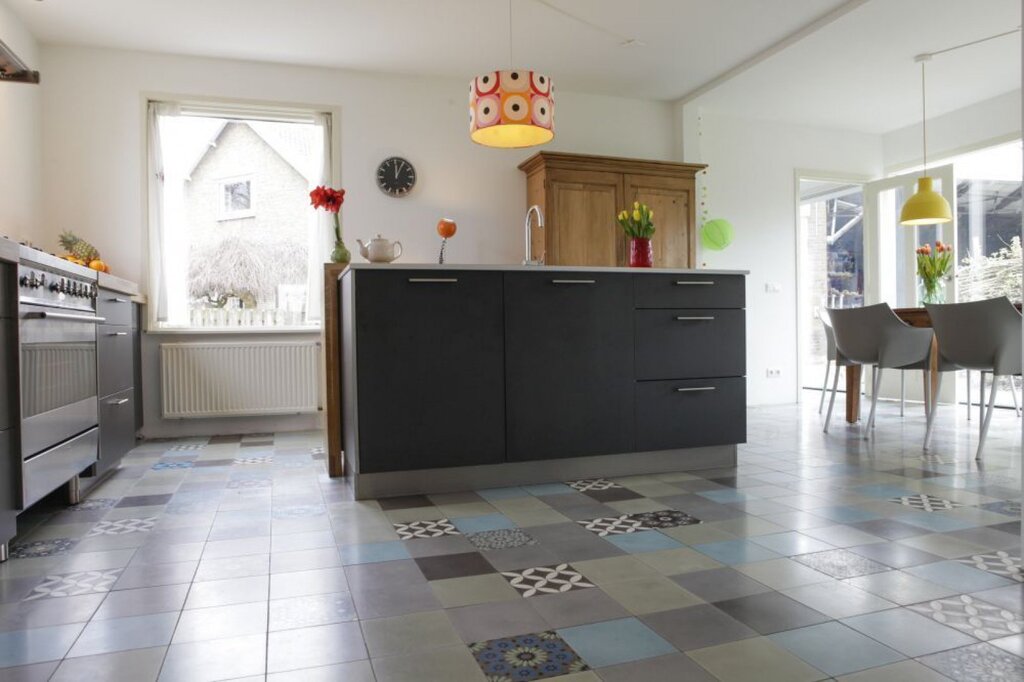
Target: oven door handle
(64, 317)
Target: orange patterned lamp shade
(511, 109)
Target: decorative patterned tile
(179, 464)
(1000, 562)
(74, 584)
(425, 529)
(926, 503)
(185, 447)
(42, 548)
(665, 518)
(973, 616)
(265, 459)
(587, 484)
(614, 525)
(298, 511)
(505, 538)
(122, 526)
(546, 580)
(526, 657)
(250, 483)
(977, 663)
(93, 504)
(1008, 507)
(840, 563)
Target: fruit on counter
(73, 259)
(99, 266)
(79, 248)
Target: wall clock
(395, 176)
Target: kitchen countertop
(509, 267)
(9, 250)
(13, 252)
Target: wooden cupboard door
(671, 199)
(581, 218)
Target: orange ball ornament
(446, 228)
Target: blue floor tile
(907, 632)
(957, 576)
(615, 641)
(836, 649)
(644, 541)
(373, 552)
(24, 647)
(733, 552)
(934, 521)
(478, 524)
(842, 514)
(791, 543)
(883, 491)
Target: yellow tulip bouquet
(637, 223)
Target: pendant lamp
(513, 108)
(926, 206)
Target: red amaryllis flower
(327, 198)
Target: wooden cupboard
(581, 194)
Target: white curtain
(157, 227)
(321, 223)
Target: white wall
(19, 139)
(93, 137)
(984, 123)
(93, 150)
(751, 183)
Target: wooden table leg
(853, 394)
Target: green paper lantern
(716, 234)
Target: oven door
(58, 376)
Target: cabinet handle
(117, 333)
(433, 280)
(691, 282)
(695, 389)
(115, 403)
(574, 281)
(707, 318)
(117, 300)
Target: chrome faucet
(529, 245)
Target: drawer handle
(117, 333)
(115, 403)
(433, 280)
(703, 318)
(695, 389)
(118, 300)
(574, 281)
(692, 282)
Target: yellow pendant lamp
(513, 108)
(926, 206)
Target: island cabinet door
(568, 364)
(430, 369)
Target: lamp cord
(510, 63)
(924, 128)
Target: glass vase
(340, 254)
(641, 253)
(931, 291)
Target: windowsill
(241, 215)
(221, 331)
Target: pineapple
(79, 248)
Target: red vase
(641, 253)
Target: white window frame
(227, 213)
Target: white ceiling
(856, 72)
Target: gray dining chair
(983, 336)
(874, 336)
(833, 359)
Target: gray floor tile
(719, 584)
(696, 627)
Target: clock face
(395, 176)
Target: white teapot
(380, 250)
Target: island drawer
(689, 291)
(688, 343)
(114, 307)
(687, 414)
(114, 356)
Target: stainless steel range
(57, 344)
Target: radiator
(239, 379)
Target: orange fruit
(98, 265)
(446, 228)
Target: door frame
(824, 176)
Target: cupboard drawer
(114, 307)
(117, 428)
(115, 356)
(687, 414)
(690, 343)
(689, 291)
(8, 374)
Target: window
(238, 244)
(237, 198)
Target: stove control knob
(76, 289)
(55, 286)
(33, 281)
(93, 292)
(23, 280)
(63, 286)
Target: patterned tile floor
(818, 557)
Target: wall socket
(773, 372)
